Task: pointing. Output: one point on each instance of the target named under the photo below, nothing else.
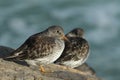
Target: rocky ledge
(10, 70)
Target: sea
(100, 20)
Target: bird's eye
(58, 32)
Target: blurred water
(99, 18)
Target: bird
(44, 47)
(76, 49)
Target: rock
(10, 70)
(86, 68)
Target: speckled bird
(44, 47)
(76, 49)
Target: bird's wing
(34, 47)
(74, 50)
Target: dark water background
(99, 18)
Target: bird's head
(57, 32)
(77, 32)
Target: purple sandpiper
(44, 47)
(76, 50)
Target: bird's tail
(13, 56)
(10, 58)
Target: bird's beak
(65, 38)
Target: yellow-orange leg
(42, 69)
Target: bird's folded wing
(34, 47)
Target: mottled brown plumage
(76, 50)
